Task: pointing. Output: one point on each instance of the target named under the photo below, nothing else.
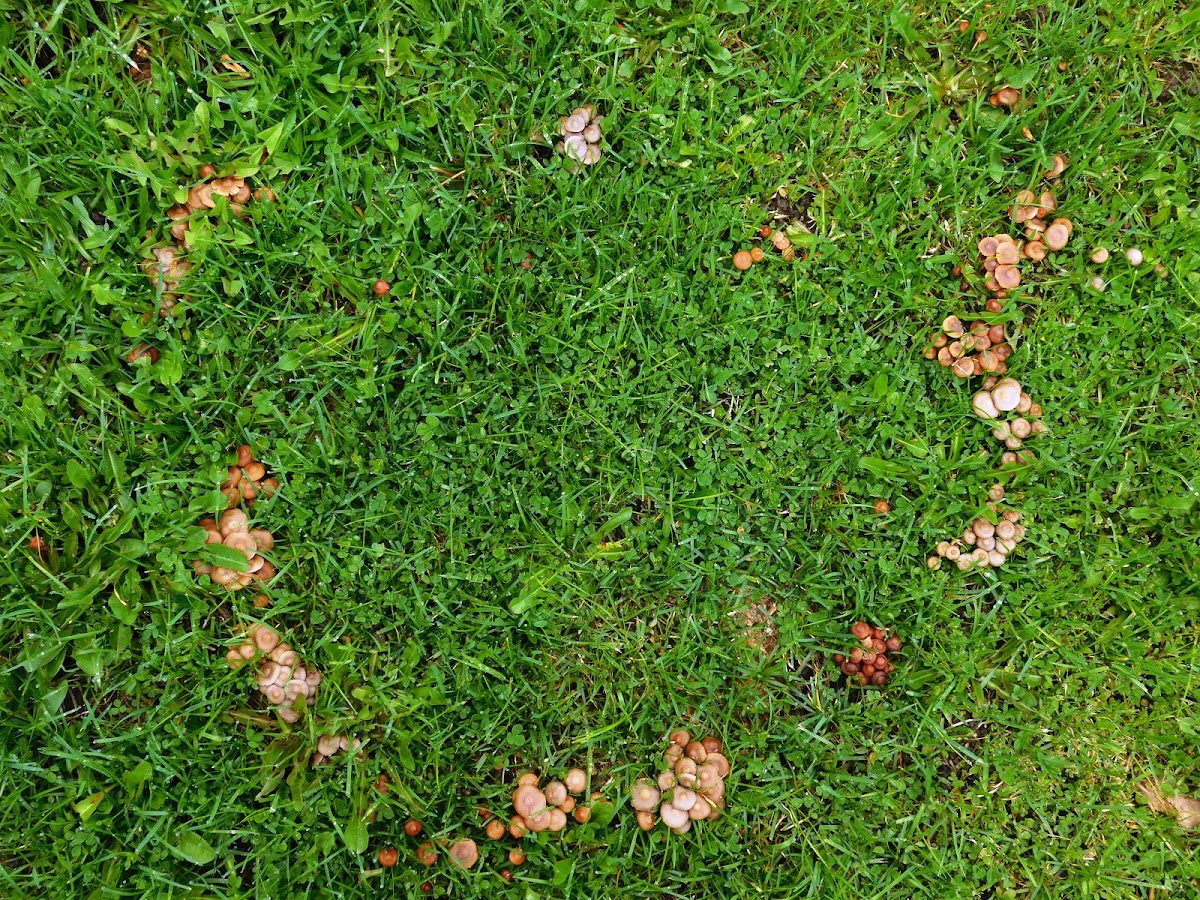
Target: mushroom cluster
(581, 134)
(1032, 212)
(247, 480)
(330, 745)
(690, 789)
(282, 676)
(992, 542)
(869, 662)
(233, 530)
(1004, 395)
(546, 807)
(744, 259)
(165, 266)
(968, 350)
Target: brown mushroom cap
(645, 820)
(720, 761)
(528, 800)
(232, 520)
(695, 750)
(742, 260)
(1035, 250)
(964, 367)
(538, 822)
(516, 827)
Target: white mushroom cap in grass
(673, 817)
(1006, 394)
(576, 781)
(644, 796)
(984, 406)
(683, 798)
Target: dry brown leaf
(1186, 810)
(236, 68)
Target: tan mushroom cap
(464, 853)
(528, 800)
(1008, 277)
(1057, 236)
(556, 792)
(576, 781)
(1007, 254)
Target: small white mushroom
(1134, 255)
(1020, 428)
(592, 134)
(984, 405)
(1006, 394)
(683, 799)
(673, 817)
(575, 123)
(983, 527)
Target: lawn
(576, 481)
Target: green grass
(628, 443)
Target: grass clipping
(1186, 810)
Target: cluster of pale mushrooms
(999, 396)
(984, 543)
(233, 530)
(968, 350)
(581, 134)
(330, 745)
(690, 789)
(282, 677)
(247, 479)
(545, 807)
(869, 663)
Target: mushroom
(645, 796)
(673, 817)
(666, 780)
(1100, 255)
(1007, 254)
(983, 405)
(527, 778)
(592, 133)
(953, 326)
(720, 761)
(695, 750)
(575, 123)
(1058, 164)
(683, 798)
(1007, 96)
(583, 813)
(645, 820)
(232, 520)
(964, 367)
(413, 827)
(1006, 394)
(539, 821)
(742, 260)
(576, 781)
(1134, 256)
(1035, 250)
(240, 540)
(558, 820)
(528, 800)
(711, 744)
(567, 805)
(1008, 277)
(1057, 236)
(756, 254)
(1020, 428)
(426, 855)
(555, 792)
(516, 827)
(701, 809)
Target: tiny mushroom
(645, 796)
(576, 781)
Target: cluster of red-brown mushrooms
(869, 663)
